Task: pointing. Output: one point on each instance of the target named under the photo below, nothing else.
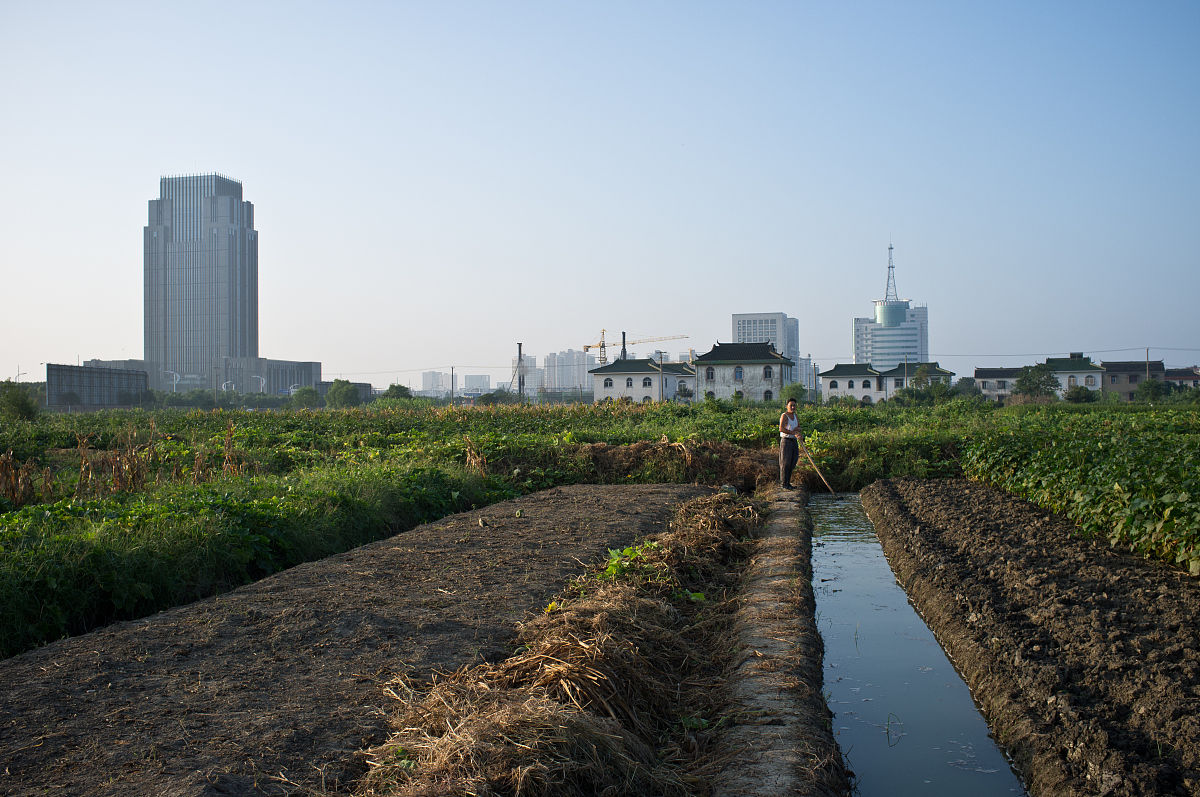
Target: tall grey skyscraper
(898, 333)
(201, 278)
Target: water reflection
(904, 719)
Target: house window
(1071, 380)
(1113, 379)
(833, 384)
(737, 374)
(710, 395)
(1090, 381)
(850, 384)
(608, 381)
(767, 372)
(710, 374)
(983, 385)
(629, 381)
(647, 382)
(1001, 384)
(767, 395)
(898, 382)
(1133, 379)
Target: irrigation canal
(903, 717)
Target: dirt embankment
(276, 687)
(1084, 659)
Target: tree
(1078, 394)
(966, 387)
(1150, 390)
(794, 391)
(1037, 381)
(396, 392)
(306, 397)
(16, 403)
(923, 376)
(342, 394)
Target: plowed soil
(1084, 659)
(276, 687)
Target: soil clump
(1082, 658)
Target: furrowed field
(116, 515)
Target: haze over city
(434, 183)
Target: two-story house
(1123, 377)
(643, 380)
(750, 371)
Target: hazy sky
(435, 181)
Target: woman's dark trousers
(789, 453)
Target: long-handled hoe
(818, 470)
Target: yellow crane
(601, 344)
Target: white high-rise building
(897, 334)
(781, 332)
(567, 370)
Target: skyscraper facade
(201, 292)
(201, 275)
(897, 333)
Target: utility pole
(452, 385)
(1147, 365)
(520, 375)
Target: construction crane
(601, 344)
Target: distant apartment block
(93, 387)
(435, 383)
(783, 333)
(477, 383)
(897, 333)
(567, 370)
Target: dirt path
(780, 729)
(1084, 659)
(275, 687)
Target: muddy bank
(1083, 658)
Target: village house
(996, 384)
(749, 371)
(863, 383)
(1123, 377)
(1183, 377)
(1076, 371)
(643, 380)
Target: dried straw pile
(614, 689)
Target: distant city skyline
(435, 183)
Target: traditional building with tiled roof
(643, 380)
(862, 382)
(1076, 370)
(996, 383)
(1123, 376)
(1183, 377)
(750, 371)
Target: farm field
(1082, 657)
(147, 512)
(115, 515)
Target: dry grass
(612, 691)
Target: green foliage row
(1132, 478)
(71, 566)
(311, 483)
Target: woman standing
(791, 442)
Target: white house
(643, 380)
(750, 371)
(1076, 370)
(858, 381)
(861, 382)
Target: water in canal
(904, 719)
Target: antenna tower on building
(890, 295)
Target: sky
(434, 182)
